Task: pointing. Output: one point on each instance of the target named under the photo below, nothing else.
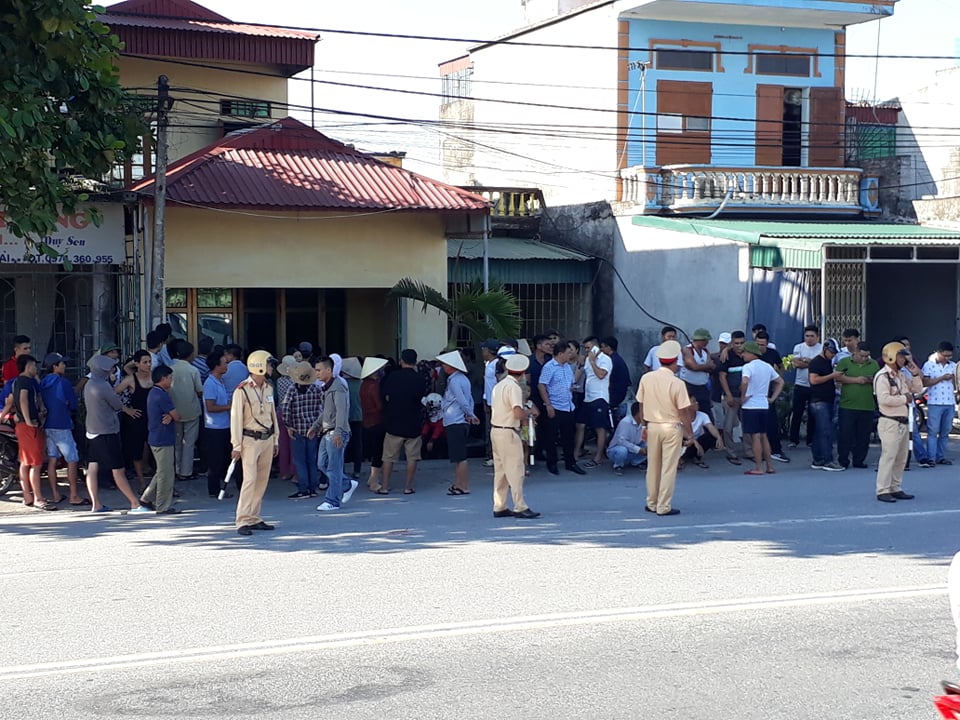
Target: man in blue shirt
(215, 439)
(60, 400)
(457, 418)
(161, 437)
(236, 369)
(556, 391)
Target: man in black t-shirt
(731, 374)
(27, 405)
(402, 392)
(823, 394)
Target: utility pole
(157, 290)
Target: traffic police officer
(506, 414)
(664, 407)
(895, 387)
(254, 439)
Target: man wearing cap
(60, 400)
(760, 386)
(300, 408)
(254, 441)
(895, 386)
(103, 433)
(823, 394)
(665, 409)
(403, 391)
(696, 367)
(556, 392)
(507, 413)
(306, 350)
(457, 418)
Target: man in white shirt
(803, 353)
(939, 377)
(595, 408)
(651, 362)
(756, 401)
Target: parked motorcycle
(9, 457)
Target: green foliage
(63, 113)
(494, 313)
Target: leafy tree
(63, 114)
(494, 313)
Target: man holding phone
(857, 405)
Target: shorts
(60, 443)
(105, 450)
(594, 414)
(753, 422)
(457, 441)
(393, 443)
(30, 440)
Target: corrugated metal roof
(287, 165)
(808, 233)
(505, 248)
(114, 19)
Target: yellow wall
(193, 109)
(206, 248)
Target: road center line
(318, 643)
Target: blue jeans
(304, 451)
(331, 465)
(823, 432)
(939, 424)
(919, 449)
(620, 456)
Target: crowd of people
(313, 416)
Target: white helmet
(258, 361)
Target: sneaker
(944, 461)
(617, 470)
(323, 487)
(148, 504)
(833, 467)
(140, 510)
(927, 463)
(349, 493)
(780, 457)
(327, 507)
(816, 466)
(298, 495)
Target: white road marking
(319, 643)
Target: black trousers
(216, 453)
(559, 432)
(373, 443)
(707, 441)
(773, 431)
(854, 437)
(801, 398)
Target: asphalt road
(795, 595)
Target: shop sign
(75, 239)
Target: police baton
(226, 479)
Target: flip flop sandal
(754, 472)
(381, 491)
(701, 464)
(457, 491)
(82, 503)
(409, 492)
(59, 500)
(734, 461)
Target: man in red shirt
(21, 346)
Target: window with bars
(457, 85)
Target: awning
(516, 261)
(800, 245)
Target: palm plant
(483, 314)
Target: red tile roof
(289, 166)
(225, 27)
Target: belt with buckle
(257, 434)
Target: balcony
(702, 189)
(775, 13)
(514, 211)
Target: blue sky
(919, 27)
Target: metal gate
(843, 294)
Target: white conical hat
(370, 366)
(454, 359)
(351, 367)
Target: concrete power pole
(157, 290)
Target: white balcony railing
(697, 187)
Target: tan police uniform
(892, 388)
(508, 468)
(253, 433)
(663, 395)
